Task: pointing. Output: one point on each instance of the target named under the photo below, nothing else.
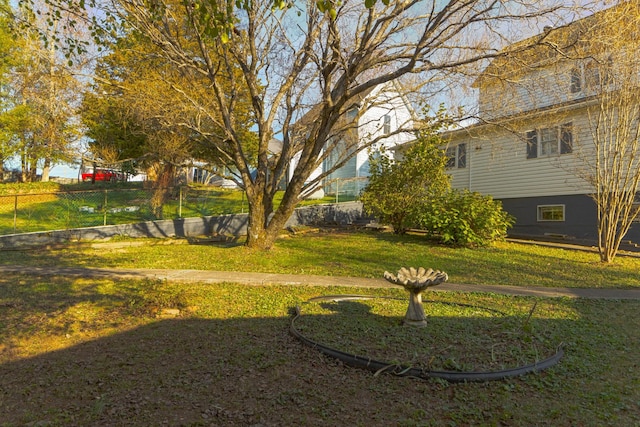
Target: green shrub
(398, 188)
(462, 217)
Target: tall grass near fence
(30, 208)
(22, 213)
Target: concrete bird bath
(416, 281)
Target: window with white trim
(456, 156)
(550, 213)
(549, 141)
(576, 80)
(586, 76)
(386, 127)
(592, 75)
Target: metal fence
(345, 189)
(64, 210)
(23, 213)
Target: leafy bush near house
(399, 188)
(462, 217)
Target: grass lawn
(354, 254)
(101, 352)
(48, 206)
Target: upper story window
(386, 128)
(576, 80)
(549, 141)
(592, 75)
(352, 113)
(456, 156)
(586, 77)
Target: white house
(381, 118)
(533, 138)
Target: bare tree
(303, 66)
(611, 159)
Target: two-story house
(380, 118)
(532, 146)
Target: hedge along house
(536, 142)
(380, 119)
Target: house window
(462, 155)
(387, 124)
(591, 75)
(551, 213)
(576, 80)
(549, 141)
(636, 210)
(456, 156)
(585, 77)
(451, 157)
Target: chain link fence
(23, 213)
(64, 210)
(345, 189)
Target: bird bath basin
(416, 281)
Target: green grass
(102, 352)
(50, 206)
(85, 205)
(10, 188)
(356, 254)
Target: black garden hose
(407, 371)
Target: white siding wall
(497, 161)
(461, 177)
(537, 89)
(314, 192)
(382, 101)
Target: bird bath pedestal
(416, 281)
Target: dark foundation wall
(580, 222)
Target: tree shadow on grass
(243, 371)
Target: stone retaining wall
(231, 225)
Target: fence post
(104, 207)
(15, 215)
(180, 204)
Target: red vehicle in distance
(102, 175)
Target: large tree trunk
(162, 189)
(24, 171)
(29, 169)
(46, 168)
(263, 229)
(33, 170)
(264, 224)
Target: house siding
(535, 90)
(383, 101)
(545, 83)
(497, 162)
